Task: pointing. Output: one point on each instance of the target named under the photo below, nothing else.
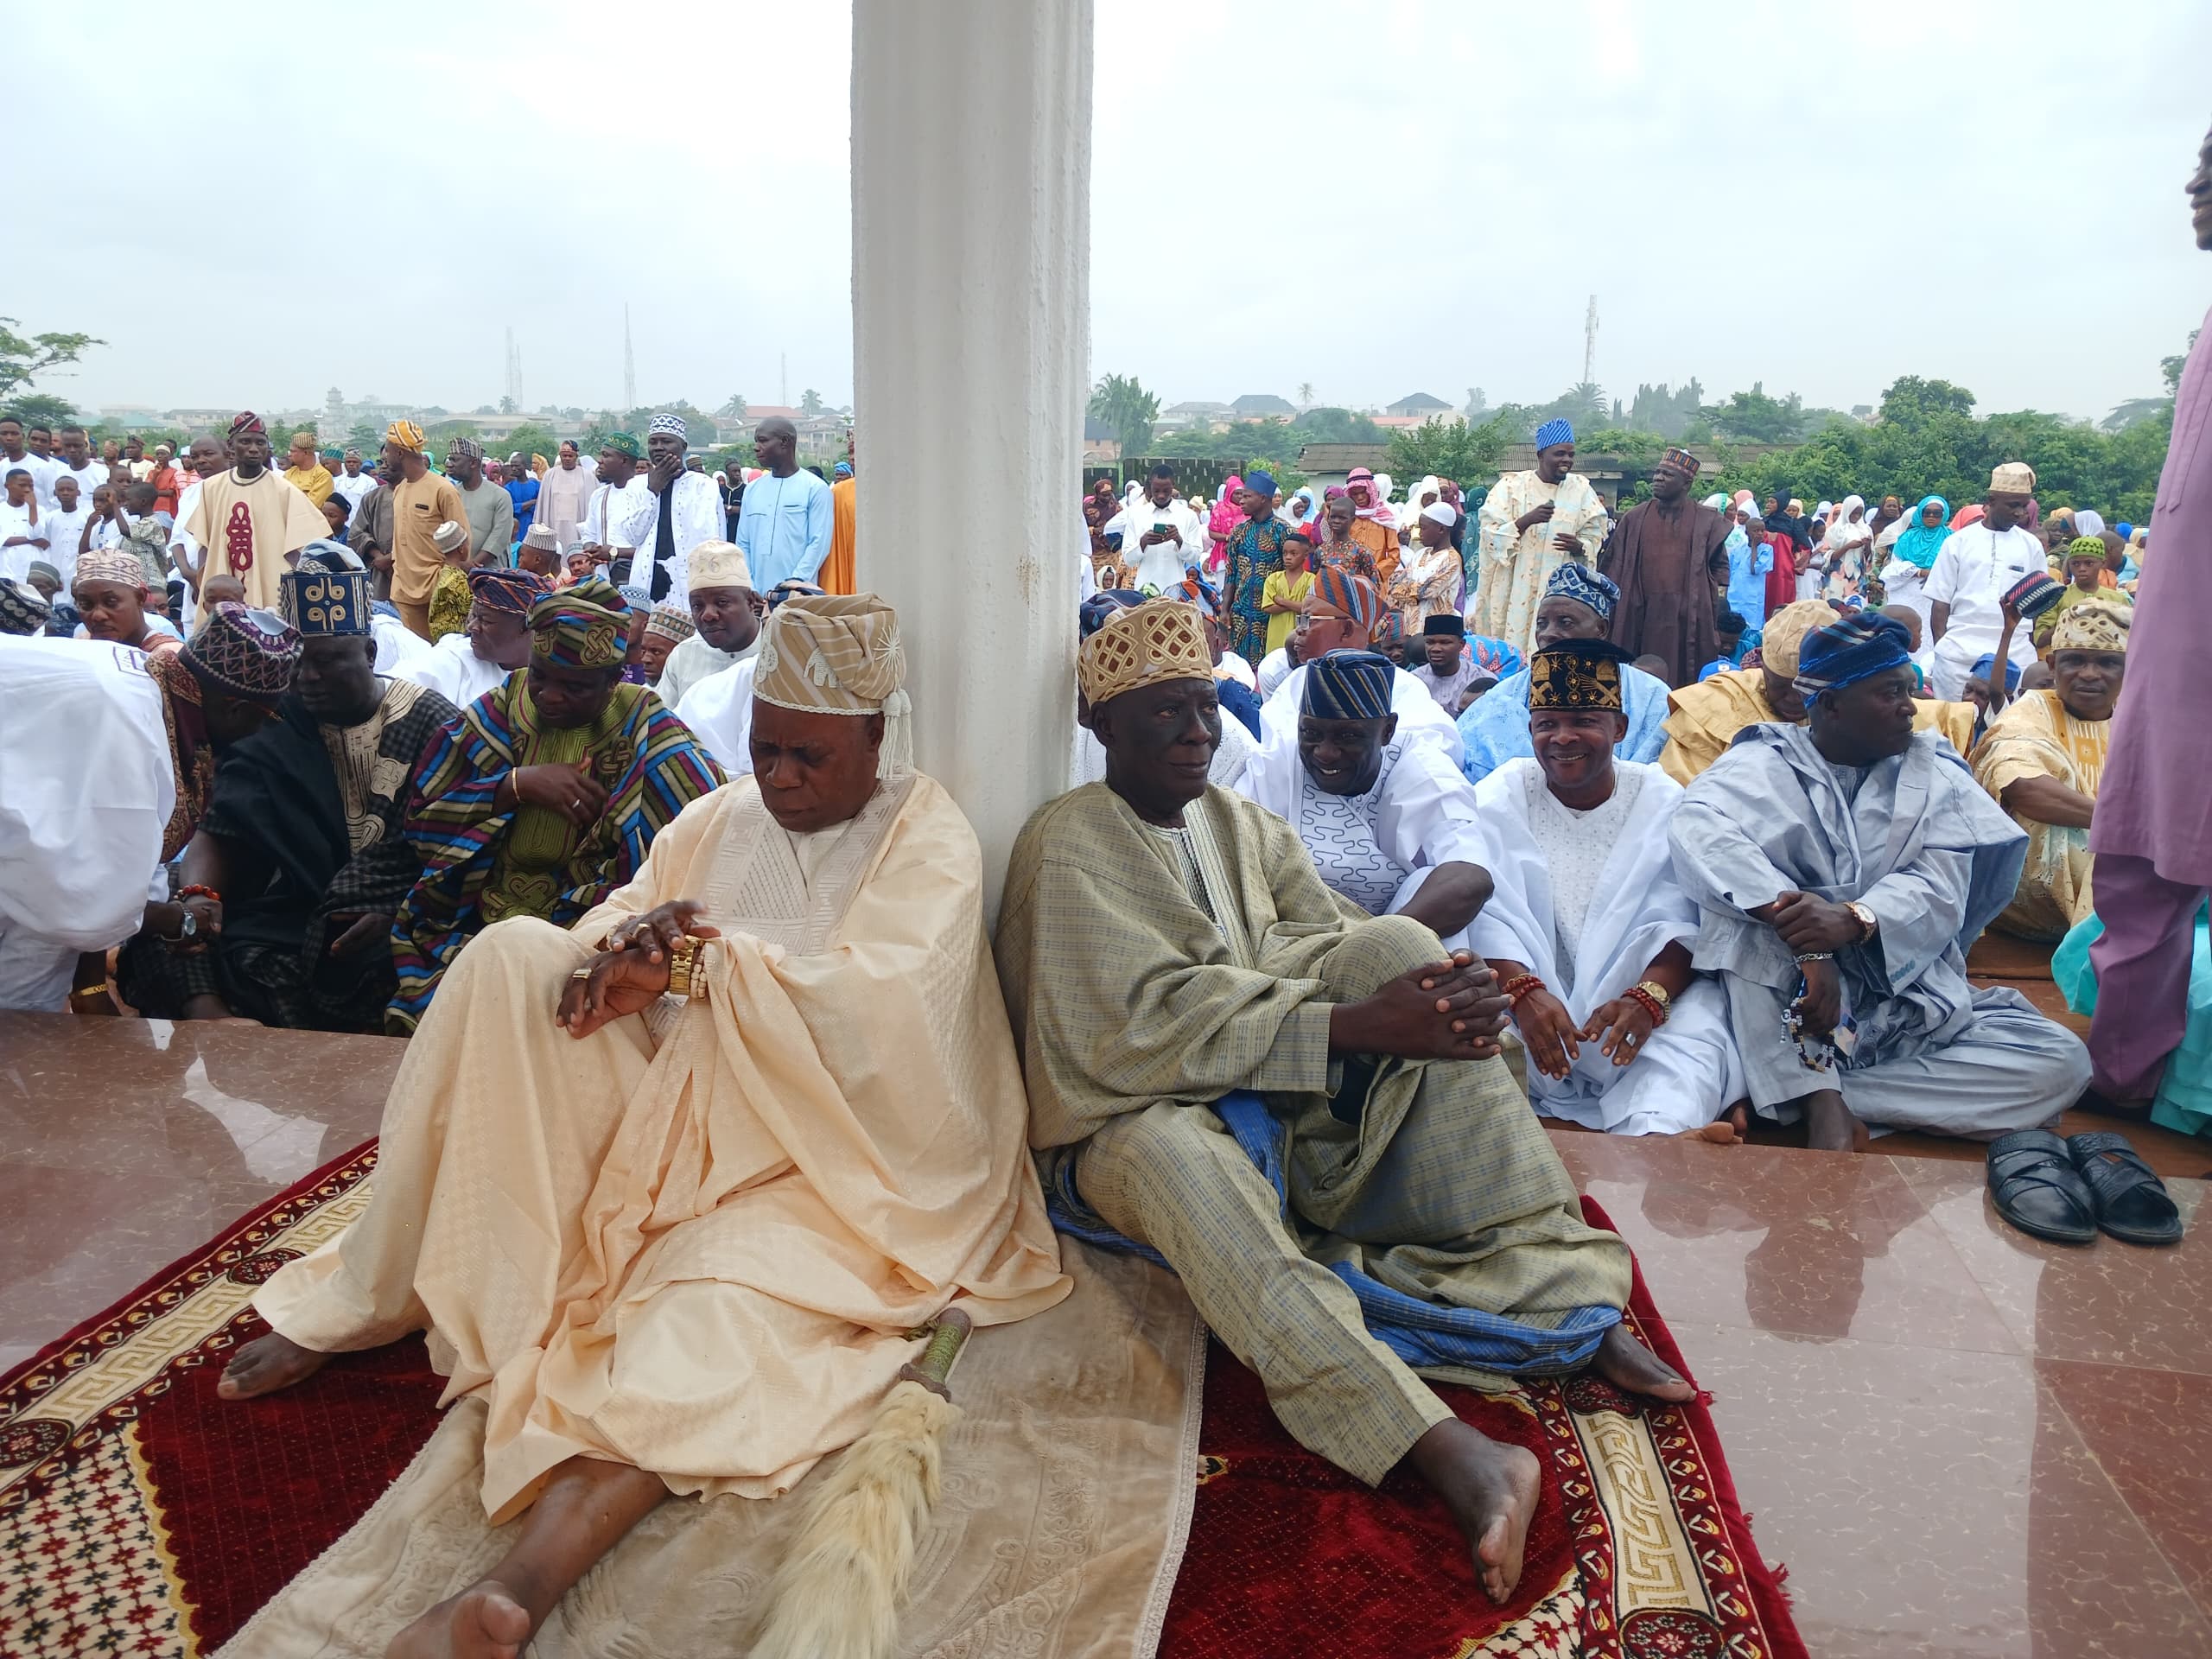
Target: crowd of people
(1668, 821)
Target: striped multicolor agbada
(481, 864)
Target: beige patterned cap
(1161, 639)
(108, 565)
(839, 654)
(2096, 625)
(1786, 630)
(2013, 478)
(719, 564)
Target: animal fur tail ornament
(836, 1595)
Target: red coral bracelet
(1648, 1003)
(1520, 985)
(195, 891)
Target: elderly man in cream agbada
(670, 1188)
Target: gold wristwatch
(1868, 921)
(682, 958)
(1656, 992)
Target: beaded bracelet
(1817, 956)
(195, 891)
(1648, 1003)
(1520, 985)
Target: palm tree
(809, 402)
(734, 406)
(1305, 394)
(1120, 403)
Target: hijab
(1916, 544)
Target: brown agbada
(1668, 562)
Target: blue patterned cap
(1555, 431)
(1349, 685)
(1585, 586)
(321, 603)
(1844, 654)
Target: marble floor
(1960, 1441)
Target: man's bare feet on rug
(1491, 1488)
(482, 1622)
(266, 1364)
(1729, 1129)
(1829, 1125)
(1634, 1368)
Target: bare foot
(1829, 1126)
(1721, 1132)
(1634, 1368)
(266, 1364)
(482, 1622)
(1491, 1488)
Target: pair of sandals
(2069, 1189)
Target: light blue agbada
(1495, 728)
(1921, 845)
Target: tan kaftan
(1514, 564)
(246, 529)
(693, 1242)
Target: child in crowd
(1285, 591)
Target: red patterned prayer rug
(1639, 1549)
(139, 1516)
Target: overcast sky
(1399, 197)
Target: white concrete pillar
(971, 307)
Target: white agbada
(80, 845)
(632, 518)
(1418, 717)
(719, 711)
(1160, 568)
(1374, 850)
(1635, 906)
(452, 669)
(1972, 569)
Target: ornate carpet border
(86, 1384)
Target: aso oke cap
(1844, 654)
(585, 626)
(1573, 674)
(249, 653)
(2094, 624)
(1349, 685)
(1786, 630)
(1585, 586)
(109, 565)
(1159, 640)
(2013, 478)
(719, 564)
(840, 654)
(23, 610)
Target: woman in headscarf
(1228, 513)
(1912, 555)
(1792, 542)
(1302, 511)
(1843, 550)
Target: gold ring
(581, 972)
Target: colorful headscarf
(587, 626)
(1347, 594)
(1969, 514)
(326, 604)
(406, 435)
(1376, 509)
(1916, 544)
(246, 424)
(249, 653)
(1349, 685)
(1845, 652)
(1553, 431)
(1227, 515)
(23, 610)
(1577, 674)
(1585, 586)
(843, 469)
(2093, 624)
(512, 592)
(623, 443)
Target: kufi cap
(1347, 594)
(110, 565)
(1389, 630)
(719, 564)
(450, 536)
(406, 435)
(1553, 431)
(512, 592)
(23, 610)
(1442, 512)
(544, 537)
(1786, 630)
(1576, 674)
(334, 454)
(2093, 624)
(666, 422)
(1444, 625)
(246, 423)
(1585, 586)
(2035, 593)
(671, 622)
(1845, 652)
(1262, 483)
(249, 653)
(2013, 478)
(322, 604)
(467, 448)
(1349, 685)
(40, 567)
(1682, 461)
(1159, 640)
(623, 443)
(587, 626)
(840, 654)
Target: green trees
(1120, 403)
(22, 360)
(1466, 454)
(809, 404)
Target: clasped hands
(631, 973)
(1806, 923)
(1621, 1029)
(1448, 1011)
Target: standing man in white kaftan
(1162, 537)
(786, 519)
(1973, 567)
(1390, 821)
(676, 511)
(1588, 926)
(1530, 524)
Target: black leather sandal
(2132, 1202)
(2036, 1185)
